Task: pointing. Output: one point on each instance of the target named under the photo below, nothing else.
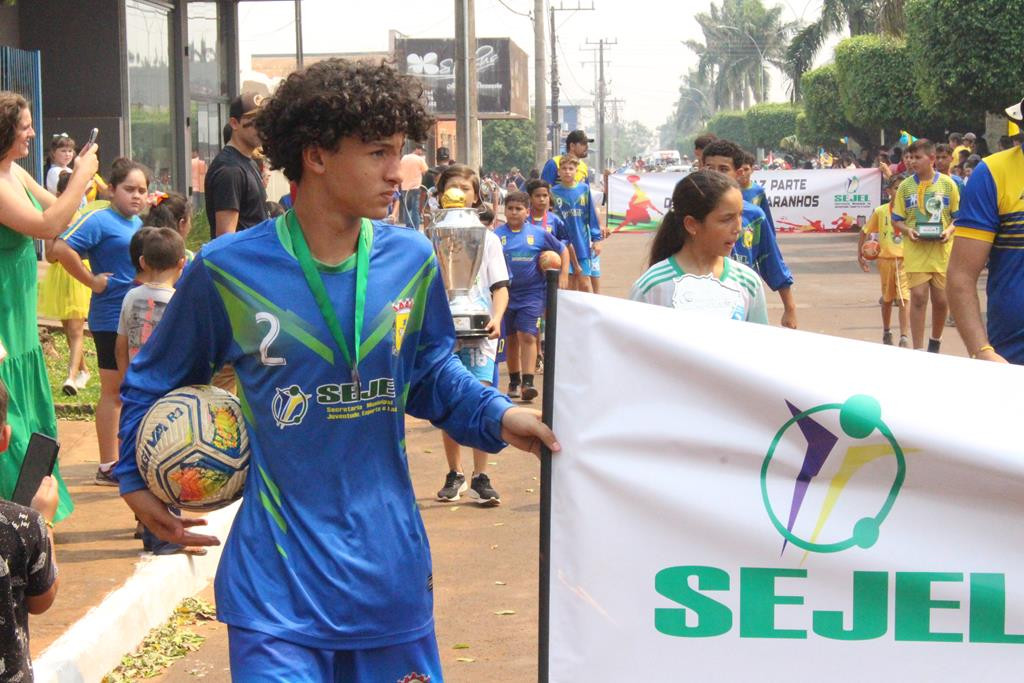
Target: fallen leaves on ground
(165, 644)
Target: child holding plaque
(924, 208)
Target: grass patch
(165, 644)
(200, 233)
(55, 352)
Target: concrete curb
(94, 645)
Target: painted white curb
(94, 645)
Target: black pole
(547, 409)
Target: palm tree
(857, 16)
(742, 38)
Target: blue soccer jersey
(992, 210)
(755, 195)
(103, 237)
(575, 207)
(522, 247)
(758, 248)
(550, 222)
(328, 549)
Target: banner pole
(547, 409)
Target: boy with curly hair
(337, 325)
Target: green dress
(30, 408)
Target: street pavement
(485, 559)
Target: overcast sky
(644, 68)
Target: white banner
(717, 517)
(819, 200)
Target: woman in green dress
(27, 211)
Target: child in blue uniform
(540, 203)
(574, 205)
(757, 247)
(522, 243)
(342, 329)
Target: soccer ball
(549, 260)
(870, 250)
(193, 450)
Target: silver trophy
(458, 237)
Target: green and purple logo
(860, 418)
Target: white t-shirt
(141, 311)
(53, 177)
(738, 294)
(492, 269)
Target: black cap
(443, 154)
(577, 136)
(246, 104)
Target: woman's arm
(57, 212)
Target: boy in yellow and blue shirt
(924, 208)
(880, 229)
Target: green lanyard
(319, 291)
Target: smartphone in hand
(40, 457)
(91, 141)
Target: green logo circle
(859, 417)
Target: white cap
(1016, 112)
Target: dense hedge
(731, 125)
(768, 123)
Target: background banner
(718, 517)
(819, 200)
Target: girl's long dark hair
(695, 195)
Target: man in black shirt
(28, 570)
(235, 195)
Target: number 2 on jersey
(275, 329)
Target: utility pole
(614, 102)
(465, 83)
(602, 90)
(298, 34)
(555, 127)
(540, 107)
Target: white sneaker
(69, 388)
(82, 379)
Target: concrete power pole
(602, 91)
(540, 106)
(466, 120)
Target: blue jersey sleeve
(595, 223)
(979, 204)
(768, 259)
(84, 234)
(552, 243)
(188, 345)
(550, 172)
(443, 391)
(766, 206)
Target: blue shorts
(260, 658)
(525, 317)
(478, 363)
(590, 267)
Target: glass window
(151, 128)
(205, 65)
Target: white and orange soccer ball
(549, 260)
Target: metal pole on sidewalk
(547, 415)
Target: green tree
(823, 122)
(769, 123)
(742, 38)
(731, 125)
(629, 139)
(966, 56)
(858, 16)
(507, 143)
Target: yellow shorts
(917, 279)
(894, 279)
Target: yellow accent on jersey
(582, 173)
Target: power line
(522, 14)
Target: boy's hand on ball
(522, 428)
(164, 524)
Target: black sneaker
(887, 338)
(107, 478)
(529, 392)
(513, 391)
(933, 345)
(454, 486)
(483, 491)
